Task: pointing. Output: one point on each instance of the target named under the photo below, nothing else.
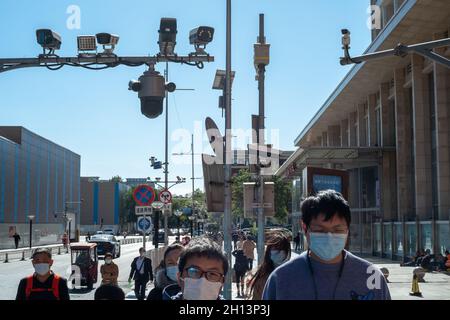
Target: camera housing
(167, 36)
(48, 39)
(151, 88)
(201, 36)
(107, 39)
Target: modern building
(103, 204)
(40, 180)
(387, 124)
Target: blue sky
(94, 114)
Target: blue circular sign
(144, 224)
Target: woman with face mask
(166, 280)
(278, 251)
(109, 270)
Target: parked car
(106, 243)
(108, 231)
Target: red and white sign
(165, 197)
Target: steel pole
(193, 186)
(166, 171)
(227, 163)
(31, 232)
(261, 141)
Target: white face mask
(108, 261)
(42, 268)
(201, 289)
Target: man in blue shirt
(326, 271)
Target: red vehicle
(84, 261)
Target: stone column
(362, 136)
(422, 139)
(372, 104)
(387, 117)
(353, 130)
(442, 92)
(403, 133)
(345, 133)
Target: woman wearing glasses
(201, 271)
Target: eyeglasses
(196, 273)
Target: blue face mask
(278, 257)
(171, 272)
(327, 246)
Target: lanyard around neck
(311, 270)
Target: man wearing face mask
(326, 271)
(166, 275)
(109, 271)
(43, 284)
(201, 271)
(141, 272)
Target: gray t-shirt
(360, 280)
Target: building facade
(103, 204)
(387, 124)
(38, 179)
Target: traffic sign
(165, 197)
(144, 224)
(167, 209)
(143, 211)
(158, 205)
(144, 195)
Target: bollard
(6, 258)
(59, 250)
(23, 256)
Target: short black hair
(203, 247)
(329, 203)
(109, 292)
(46, 251)
(172, 247)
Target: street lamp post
(191, 220)
(31, 218)
(178, 213)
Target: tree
(116, 179)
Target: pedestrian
(326, 271)
(240, 243)
(65, 239)
(235, 238)
(109, 292)
(88, 237)
(201, 271)
(447, 261)
(44, 284)
(277, 252)
(297, 241)
(141, 272)
(16, 237)
(240, 268)
(249, 251)
(166, 275)
(109, 270)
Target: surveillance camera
(201, 35)
(151, 90)
(171, 87)
(48, 39)
(346, 38)
(167, 36)
(178, 178)
(107, 39)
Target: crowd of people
(428, 261)
(197, 268)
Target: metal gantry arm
(111, 61)
(424, 49)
